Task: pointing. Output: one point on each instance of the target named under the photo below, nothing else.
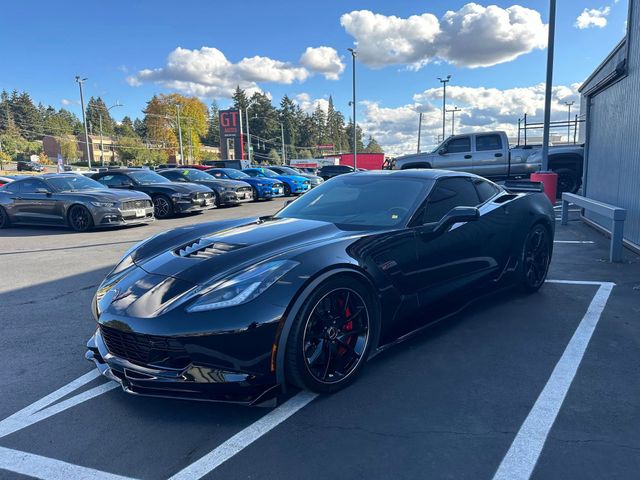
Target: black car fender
(284, 329)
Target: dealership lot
(474, 397)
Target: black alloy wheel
(216, 199)
(256, 198)
(4, 218)
(287, 190)
(80, 218)
(162, 207)
(536, 256)
(567, 181)
(332, 337)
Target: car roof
(426, 173)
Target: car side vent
(205, 248)
(505, 198)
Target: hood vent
(205, 248)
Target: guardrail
(617, 216)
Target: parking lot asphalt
(467, 399)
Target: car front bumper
(189, 205)
(114, 217)
(270, 192)
(234, 197)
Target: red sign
(229, 123)
(325, 147)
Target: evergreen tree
(274, 158)
(140, 128)
(349, 132)
(126, 128)
(373, 146)
(96, 108)
(26, 116)
(213, 131)
(287, 115)
(240, 99)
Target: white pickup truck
(488, 154)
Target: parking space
(515, 386)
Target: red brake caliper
(347, 327)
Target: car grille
(202, 195)
(278, 185)
(133, 204)
(243, 190)
(205, 248)
(145, 349)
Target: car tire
(326, 350)
(162, 207)
(287, 190)
(568, 181)
(256, 197)
(216, 199)
(80, 218)
(535, 258)
(4, 218)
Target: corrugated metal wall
(613, 156)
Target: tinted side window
(488, 142)
(217, 174)
(173, 176)
(459, 145)
(485, 189)
(31, 185)
(447, 194)
(343, 168)
(13, 187)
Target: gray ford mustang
(72, 200)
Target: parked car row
(129, 196)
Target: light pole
(117, 104)
(547, 96)
(453, 118)
(569, 104)
(178, 106)
(80, 81)
(444, 82)
(353, 105)
(248, 133)
(419, 130)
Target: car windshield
(235, 174)
(193, 174)
(289, 171)
(67, 183)
(266, 172)
(147, 177)
(361, 201)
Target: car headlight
(103, 204)
(241, 288)
(181, 195)
(261, 184)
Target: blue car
(293, 184)
(263, 187)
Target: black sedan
(238, 309)
(226, 192)
(73, 200)
(168, 198)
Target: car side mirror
(443, 151)
(457, 215)
(126, 184)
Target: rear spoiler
(524, 186)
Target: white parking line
(521, 459)
(49, 468)
(579, 242)
(244, 438)
(41, 409)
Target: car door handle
(498, 155)
(467, 157)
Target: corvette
(238, 310)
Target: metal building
(611, 100)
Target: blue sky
(43, 45)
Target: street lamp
(117, 104)
(549, 85)
(444, 82)
(353, 105)
(453, 118)
(569, 104)
(80, 81)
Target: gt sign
(231, 140)
(230, 123)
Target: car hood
(179, 187)
(295, 178)
(214, 250)
(223, 183)
(108, 195)
(265, 180)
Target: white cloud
(66, 101)
(324, 60)
(309, 105)
(593, 18)
(206, 72)
(482, 109)
(474, 36)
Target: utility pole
(353, 105)
(569, 104)
(284, 149)
(444, 82)
(180, 134)
(547, 96)
(419, 131)
(190, 145)
(248, 134)
(101, 141)
(80, 81)
(453, 118)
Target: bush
(4, 158)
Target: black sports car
(73, 200)
(236, 310)
(226, 192)
(168, 197)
